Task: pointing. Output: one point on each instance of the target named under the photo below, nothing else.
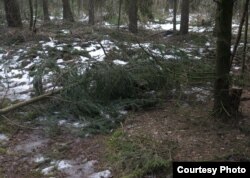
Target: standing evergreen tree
(12, 12)
(46, 11)
(222, 106)
(67, 13)
(133, 15)
(184, 16)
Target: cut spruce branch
(28, 102)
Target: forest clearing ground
(182, 131)
(192, 134)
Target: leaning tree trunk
(222, 104)
(12, 12)
(67, 13)
(46, 11)
(91, 12)
(184, 17)
(133, 16)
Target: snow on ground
(76, 169)
(3, 137)
(119, 62)
(17, 83)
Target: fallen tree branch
(25, 103)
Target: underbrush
(137, 156)
(98, 93)
(104, 91)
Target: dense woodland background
(124, 86)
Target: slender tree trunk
(245, 39)
(174, 14)
(184, 16)
(35, 19)
(31, 14)
(133, 16)
(12, 12)
(222, 106)
(46, 11)
(119, 16)
(216, 24)
(67, 13)
(91, 12)
(239, 31)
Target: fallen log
(25, 103)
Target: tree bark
(174, 14)
(46, 11)
(245, 11)
(133, 15)
(12, 12)
(119, 15)
(245, 41)
(184, 17)
(31, 14)
(222, 106)
(91, 12)
(67, 13)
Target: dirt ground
(196, 136)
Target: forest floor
(176, 130)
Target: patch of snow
(49, 44)
(65, 31)
(62, 122)
(79, 125)
(39, 159)
(236, 68)
(59, 48)
(20, 51)
(3, 137)
(169, 56)
(88, 167)
(63, 165)
(123, 112)
(83, 59)
(119, 62)
(103, 174)
(78, 48)
(59, 61)
(154, 26)
(47, 170)
(207, 44)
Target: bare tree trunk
(222, 106)
(12, 12)
(239, 31)
(133, 16)
(91, 12)
(184, 16)
(35, 19)
(174, 14)
(67, 13)
(119, 16)
(46, 11)
(245, 40)
(31, 14)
